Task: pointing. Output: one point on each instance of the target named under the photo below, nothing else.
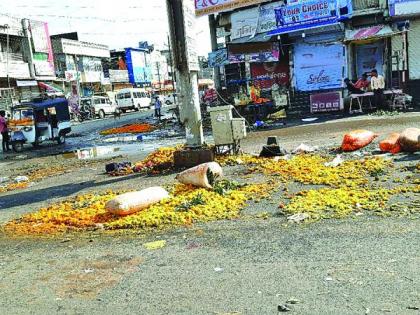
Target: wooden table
(358, 99)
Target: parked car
(101, 105)
(132, 99)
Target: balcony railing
(366, 4)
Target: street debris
(298, 217)
(20, 179)
(293, 301)
(218, 269)
(338, 160)
(135, 201)
(116, 169)
(410, 140)
(155, 245)
(130, 128)
(283, 308)
(357, 139)
(203, 175)
(391, 144)
(304, 148)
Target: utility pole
(158, 74)
(213, 37)
(182, 34)
(173, 74)
(30, 55)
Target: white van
(132, 99)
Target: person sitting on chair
(351, 87)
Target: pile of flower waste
(131, 128)
(157, 162)
(186, 205)
(14, 186)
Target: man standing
(158, 106)
(377, 84)
(4, 131)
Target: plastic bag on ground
(202, 175)
(391, 144)
(338, 160)
(357, 139)
(410, 140)
(133, 202)
(20, 179)
(304, 148)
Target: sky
(116, 23)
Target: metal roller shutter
(414, 49)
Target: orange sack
(391, 144)
(357, 139)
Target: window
(97, 101)
(127, 95)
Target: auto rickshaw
(39, 121)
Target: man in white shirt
(377, 84)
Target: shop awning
(259, 38)
(367, 33)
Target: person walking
(377, 84)
(4, 131)
(158, 107)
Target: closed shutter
(414, 49)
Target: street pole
(182, 34)
(25, 25)
(173, 76)
(7, 56)
(213, 37)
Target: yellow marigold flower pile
(158, 161)
(14, 186)
(186, 206)
(131, 128)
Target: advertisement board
(206, 7)
(265, 75)
(254, 21)
(318, 66)
(403, 7)
(326, 102)
(368, 57)
(138, 66)
(74, 47)
(218, 58)
(304, 14)
(118, 76)
(269, 55)
(43, 67)
(190, 36)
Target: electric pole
(181, 16)
(213, 37)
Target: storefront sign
(265, 75)
(206, 7)
(16, 70)
(71, 75)
(74, 47)
(26, 83)
(254, 21)
(269, 55)
(138, 66)
(403, 7)
(318, 67)
(368, 57)
(118, 75)
(42, 65)
(326, 102)
(304, 14)
(218, 58)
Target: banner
(326, 102)
(254, 21)
(318, 67)
(304, 14)
(270, 55)
(218, 58)
(403, 7)
(206, 7)
(265, 75)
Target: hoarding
(304, 14)
(403, 7)
(218, 58)
(190, 36)
(118, 76)
(74, 47)
(265, 75)
(206, 7)
(43, 66)
(318, 66)
(266, 55)
(326, 102)
(139, 69)
(254, 21)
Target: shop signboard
(265, 75)
(206, 7)
(139, 70)
(270, 55)
(118, 76)
(318, 66)
(304, 14)
(368, 57)
(74, 47)
(254, 21)
(326, 102)
(218, 58)
(403, 7)
(43, 67)
(16, 70)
